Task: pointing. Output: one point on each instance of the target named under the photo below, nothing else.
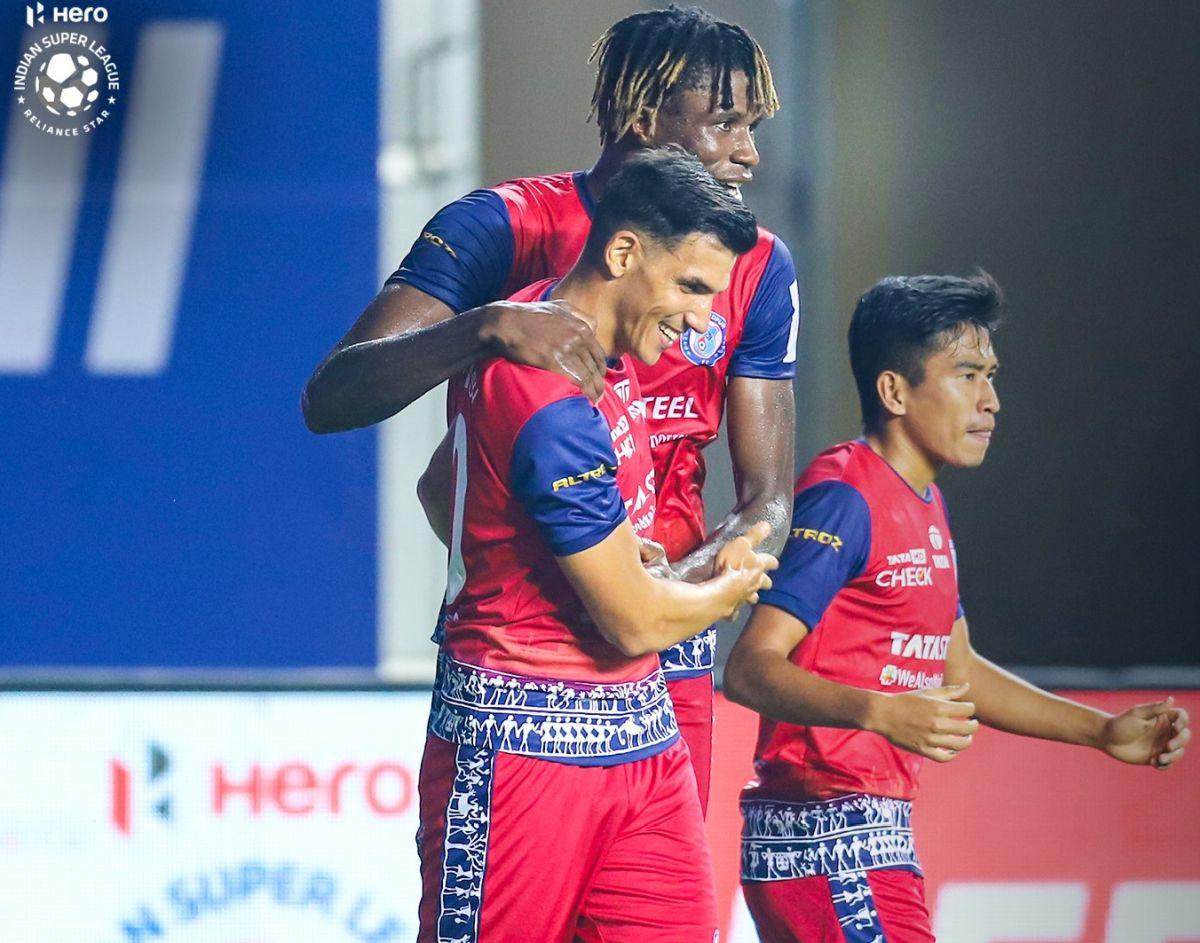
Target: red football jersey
(494, 241)
(539, 472)
(870, 568)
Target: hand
(935, 723)
(740, 563)
(1149, 734)
(552, 335)
(654, 559)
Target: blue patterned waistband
(692, 657)
(576, 723)
(849, 834)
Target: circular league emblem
(935, 537)
(705, 349)
(66, 84)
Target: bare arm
(639, 613)
(406, 342)
(761, 429)
(1153, 734)
(935, 723)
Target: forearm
(1004, 701)
(772, 506)
(367, 382)
(669, 611)
(767, 682)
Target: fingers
(757, 533)
(947, 741)
(949, 692)
(938, 754)
(1150, 711)
(952, 725)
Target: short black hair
(666, 194)
(646, 56)
(901, 320)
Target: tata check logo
(144, 788)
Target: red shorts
(515, 848)
(887, 904)
(693, 702)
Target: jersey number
(456, 576)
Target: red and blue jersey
(494, 241)
(539, 472)
(870, 568)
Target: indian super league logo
(66, 83)
(705, 349)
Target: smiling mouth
(669, 333)
(734, 188)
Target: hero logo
(292, 789)
(158, 767)
(37, 14)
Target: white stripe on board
(154, 206)
(40, 194)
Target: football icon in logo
(66, 84)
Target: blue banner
(172, 275)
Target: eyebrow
(975, 365)
(697, 285)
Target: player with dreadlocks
(674, 76)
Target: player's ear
(643, 128)
(893, 392)
(622, 253)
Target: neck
(899, 451)
(590, 293)
(611, 158)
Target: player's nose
(991, 400)
(699, 322)
(745, 151)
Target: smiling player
(674, 76)
(557, 801)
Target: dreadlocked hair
(641, 59)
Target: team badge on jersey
(705, 349)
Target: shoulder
(532, 292)
(519, 391)
(545, 192)
(770, 256)
(838, 463)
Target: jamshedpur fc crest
(705, 349)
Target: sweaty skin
(407, 342)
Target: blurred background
(208, 612)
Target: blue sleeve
(828, 546)
(768, 347)
(563, 472)
(464, 254)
